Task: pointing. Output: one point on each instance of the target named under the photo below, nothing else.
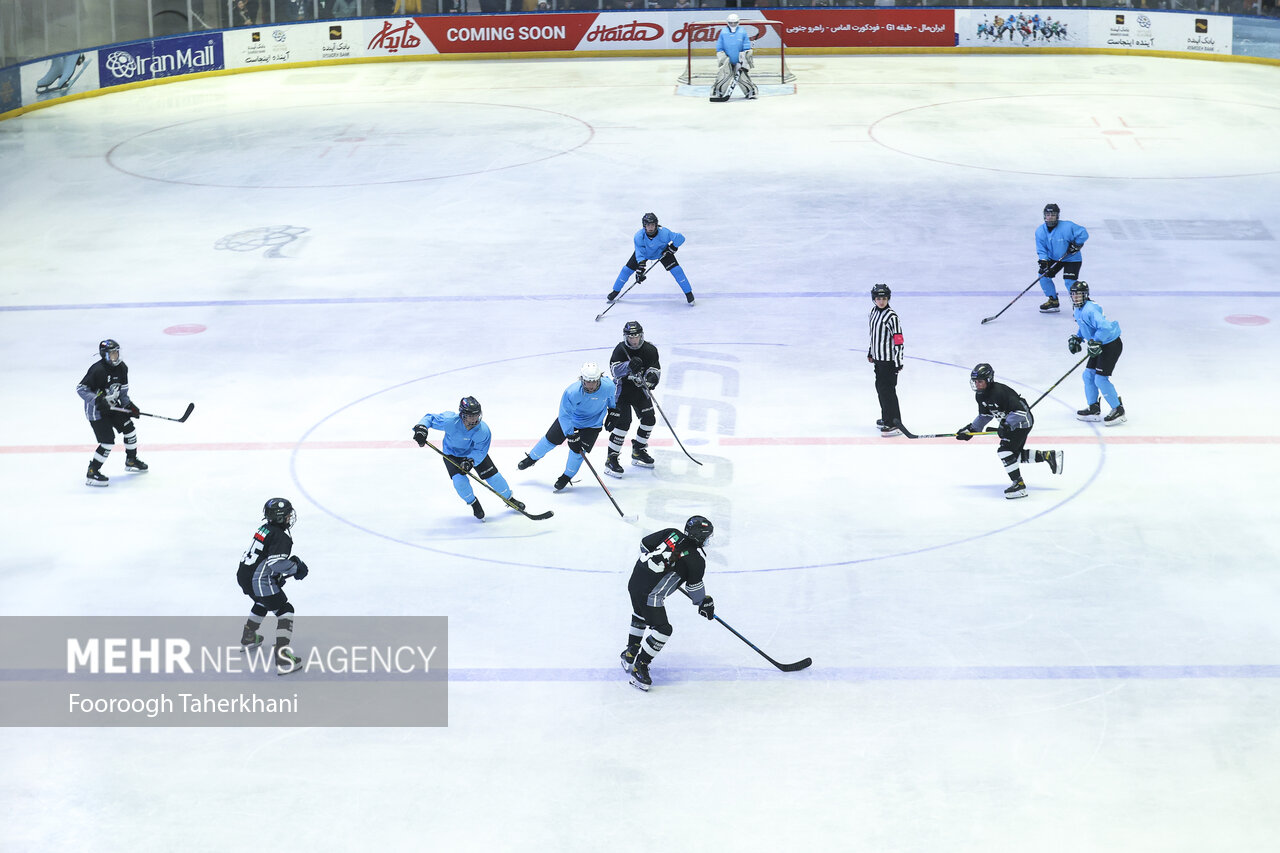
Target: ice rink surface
(318, 257)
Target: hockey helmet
(109, 351)
(633, 329)
(1082, 288)
(469, 409)
(647, 220)
(1051, 208)
(984, 372)
(590, 374)
(881, 290)
(699, 529)
(280, 511)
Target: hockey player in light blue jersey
(466, 447)
(1102, 337)
(1058, 244)
(733, 52)
(654, 242)
(582, 408)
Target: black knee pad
(284, 609)
(617, 419)
(258, 610)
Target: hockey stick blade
(191, 407)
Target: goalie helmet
(699, 529)
(1081, 288)
(983, 371)
(109, 351)
(469, 410)
(633, 330)
(732, 21)
(280, 511)
(881, 290)
(590, 374)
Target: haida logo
(711, 33)
(634, 31)
(392, 39)
(121, 64)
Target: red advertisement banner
(503, 33)
(868, 27)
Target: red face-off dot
(185, 329)
(1247, 320)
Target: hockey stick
(1083, 359)
(1055, 269)
(190, 408)
(909, 434)
(654, 400)
(629, 519)
(618, 299)
(539, 517)
(785, 667)
(732, 85)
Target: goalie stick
(1054, 271)
(785, 667)
(539, 517)
(190, 408)
(625, 292)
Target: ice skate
(287, 663)
(1117, 415)
(640, 676)
(1092, 412)
(249, 639)
(1054, 458)
(1017, 490)
(612, 467)
(561, 482)
(94, 477)
(688, 297)
(1050, 306)
(526, 462)
(613, 294)
(640, 457)
(133, 463)
(889, 431)
(477, 510)
(628, 657)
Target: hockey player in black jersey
(105, 391)
(668, 558)
(1002, 403)
(635, 368)
(262, 574)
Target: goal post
(768, 49)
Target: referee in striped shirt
(885, 355)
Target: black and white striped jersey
(673, 559)
(886, 336)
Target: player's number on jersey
(251, 556)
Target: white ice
(1091, 668)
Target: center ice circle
(756, 496)
(361, 145)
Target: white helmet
(590, 374)
(732, 20)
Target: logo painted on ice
(392, 39)
(272, 238)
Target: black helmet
(699, 529)
(881, 290)
(984, 372)
(469, 410)
(1052, 208)
(1079, 287)
(649, 219)
(106, 347)
(632, 329)
(280, 511)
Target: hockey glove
(1072, 248)
(302, 569)
(1075, 343)
(964, 433)
(635, 364)
(420, 435)
(707, 609)
(651, 378)
(637, 379)
(639, 273)
(1045, 266)
(1095, 348)
(672, 248)
(464, 464)
(575, 444)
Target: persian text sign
(868, 27)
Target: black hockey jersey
(266, 561)
(620, 362)
(998, 401)
(673, 558)
(111, 379)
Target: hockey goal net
(768, 50)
